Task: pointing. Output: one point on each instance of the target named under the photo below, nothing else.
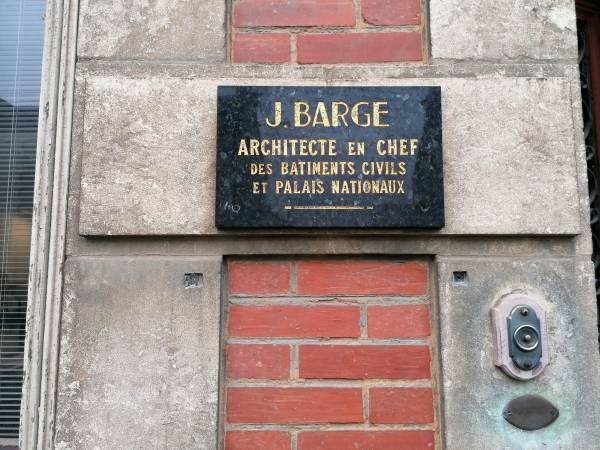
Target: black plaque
(329, 157)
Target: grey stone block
(154, 29)
(509, 157)
(503, 29)
(475, 391)
(149, 152)
(149, 159)
(139, 354)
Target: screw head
(524, 311)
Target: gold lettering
(403, 150)
(278, 186)
(395, 147)
(321, 113)
(301, 110)
(254, 147)
(356, 148)
(277, 108)
(243, 150)
(413, 146)
(378, 112)
(336, 115)
(356, 115)
(259, 187)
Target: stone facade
(149, 279)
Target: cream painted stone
(149, 154)
(503, 29)
(139, 354)
(152, 29)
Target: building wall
(143, 360)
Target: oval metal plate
(530, 412)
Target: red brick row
(257, 440)
(329, 48)
(266, 362)
(294, 405)
(276, 405)
(329, 277)
(294, 321)
(257, 278)
(383, 322)
(351, 362)
(362, 362)
(366, 440)
(359, 277)
(335, 48)
(398, 322)
(331, 440)
(392, 12)
(324, 13)
(401, 405)
(267, 48)
(286, 13)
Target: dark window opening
(21, 47)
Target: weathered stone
(174, 29)
(504, 29)
(149, 159)
(510, 164)
(475, 392)
(508, 144)
(139, 354)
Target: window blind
(21, 44)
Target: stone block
(475, 391)
(139, 357)
(149, 149)
(149, 157)
(503, 30)
(168, 30)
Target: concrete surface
(503, 29)
(509, 155)
(152, 29)
(139, 354)
(475, 391)
(150, 169)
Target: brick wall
(328, 355)
(327, 31)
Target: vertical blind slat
(21, 44)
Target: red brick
(356, 277)
(266, 48)
(392, 12)
(290, 13)
(259, 278)
(357, 362)
(398, 322)
(359, 47)
(366, 440)
(294, 321)
(271, 362)
(294, 405)
(400, 405)
(257, 440)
